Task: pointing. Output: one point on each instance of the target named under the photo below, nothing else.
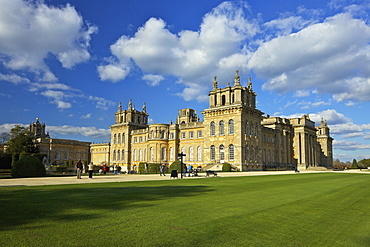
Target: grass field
(323, 209)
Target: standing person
(79, 167)
(185, 170)
(105, 168)
(91, 170)
(115, 170)
(190, 169)
(162, 169)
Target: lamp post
(180, 155)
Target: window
(114, 139)
(222, 153)
(246, 154)
(213, 130)
(246, 128)
(183, 134)
(151, 154)
(231, 152)
(123, 156)
(135, 139)
(114, 155)
(199, 153)
(119, 138)
(57, 155)
(66, 155)
(199, 134)
(140, 154)
(123, 137)
(163, 153)
(213, 153)
(171, 153)
(191, 154)
(191, 134)
(140, 139)
(152, 134)
(118, 155)
(222, 128)
(231, 127)
(135, 155)
(162, 134)
(183, 151)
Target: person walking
(162, 170)
(91, 170)
(115, 171)
(79, 167)
(105, 168)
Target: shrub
(142, 167)
(176, 165)
(5, 161)
(28, 166)
(153, 167)
(226, 167)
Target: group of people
(80, 167)
(90, 168)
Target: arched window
(140, 154)
(118, 155)
(114, 155)
(191, 154)
(123, 137)
(246, 154)
(222, 128)
(231, 127)
(114, 139)
(213, 153)
(256, 133)
(123, 155)
(183, 151)
(199, 153)
(135, 155)
(222, 153)
(151, 154)
(119, 138)
(171, 153)
(66, 155)
(163, 153)
(231, 152)
(213, 129)
(246, 128)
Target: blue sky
(69, 63)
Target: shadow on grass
(22, 206)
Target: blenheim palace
(233, 131)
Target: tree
(5, 136)
(21, 141)
(354, 164)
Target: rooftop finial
(237, 78)
(119, 106)
(249, 83)
(215, 82)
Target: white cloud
(192, 56)
(349, 145)
(302, 93)
(13, 78)
(87, 116)
(153, 80)
(57, 98)
(30, 31)
(113, 72)
(319, 56)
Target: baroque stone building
(233, 131)
(58, 151)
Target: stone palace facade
(233, 131)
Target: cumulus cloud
(330, 56)
(31, 31)
(153, 80)
(194, 57)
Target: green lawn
(325, 209)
